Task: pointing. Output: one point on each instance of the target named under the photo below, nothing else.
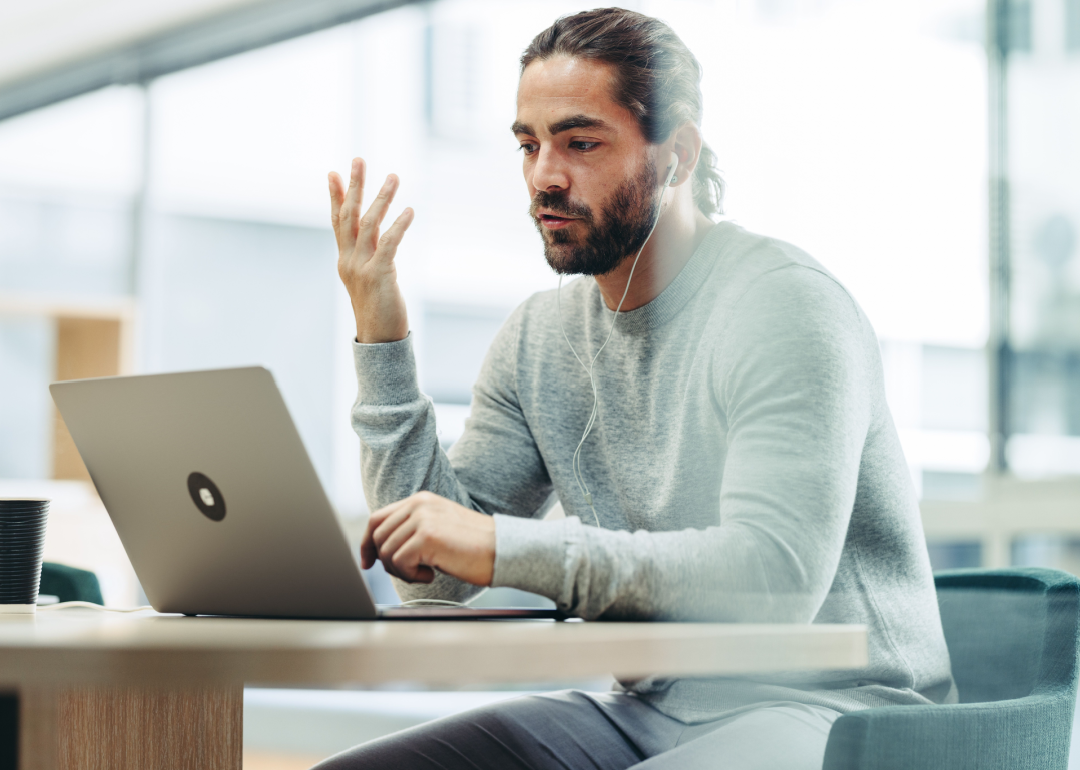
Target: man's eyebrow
(566, 124)
(576, 121)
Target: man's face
(590, 171)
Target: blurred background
(163, 207)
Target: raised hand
(366, 259)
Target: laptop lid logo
(206, 496)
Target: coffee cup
(22, 542)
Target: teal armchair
(69, 584)
(1013, 639)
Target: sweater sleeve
(793, 372)
(494, 468)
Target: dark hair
(656, 78)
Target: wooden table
(166, 692)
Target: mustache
(559, 203)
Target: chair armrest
(1031, 733)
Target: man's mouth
(554, 221)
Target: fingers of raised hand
(337, 196)
(373, 217)
(349, 210)
(391, 239)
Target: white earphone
(669, 179)
(673, 165)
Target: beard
(621, 230)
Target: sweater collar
(673, 298)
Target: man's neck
(680, 230)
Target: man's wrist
(386, 372)
(369, 338)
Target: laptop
(217, 503)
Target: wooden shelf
(94, 338)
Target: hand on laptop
(414, 536)
(365, 260)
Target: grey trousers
(599, 731)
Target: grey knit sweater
(744, 467)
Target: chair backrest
(1011, 632)
(69, 584)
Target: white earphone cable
(579, 475)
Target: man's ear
(687, 146)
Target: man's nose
(549, 173)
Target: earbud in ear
(672, 166)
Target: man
(708, 406)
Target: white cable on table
(90, 606)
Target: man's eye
(527, 148)
(583, 146)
